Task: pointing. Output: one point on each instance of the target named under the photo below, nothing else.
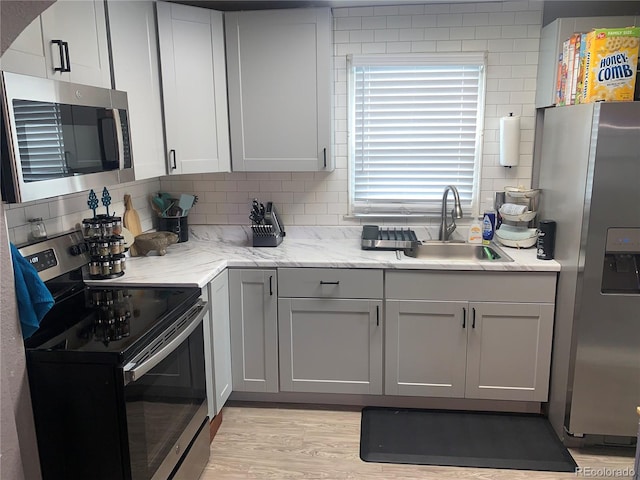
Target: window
(415, 126)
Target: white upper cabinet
(280, 72)
(134, 46)
(67, 42)
(194, 88)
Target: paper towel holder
(509, 140)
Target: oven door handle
(133, 371)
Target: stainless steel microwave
(60, 138)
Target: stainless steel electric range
(117, 375)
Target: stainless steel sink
(457, 251)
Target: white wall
(65, 213)
(508, 31)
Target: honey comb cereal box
(611, 62)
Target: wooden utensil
(131, 220)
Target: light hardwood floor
(281, 442)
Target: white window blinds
(415, 127)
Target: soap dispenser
(475, 231)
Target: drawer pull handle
(322, 282)
(473, 322)
(377, 315)
(464, 317)
(271, 285)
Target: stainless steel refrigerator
(589, 173)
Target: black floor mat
(462, 439)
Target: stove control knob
(75, 250)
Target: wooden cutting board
(131, 220)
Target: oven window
(58, 140)
(161, 404)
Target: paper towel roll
(509, 141)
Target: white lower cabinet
(496, 350)
(426, 348)
(331, 330)
(330, 345)
(217, 341)
(254, 330)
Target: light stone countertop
(211, 249)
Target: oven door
(63, 138)
(165, 397)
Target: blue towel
(34, 298)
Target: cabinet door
(221, 339)
(279, 70)
(426, 348)
(194, 88)
(254, 330)
(134, 48)
(509, 351)
(330, 346)
(26, 53)
(83, 26)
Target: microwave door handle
(119, 138)
(133, 372)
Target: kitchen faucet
(447, 230)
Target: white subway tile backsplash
(462, 33)
(514, 31)
(387, 35)
(435, 8)
(422, 21)
(488, 32)
(449, 20)
(515, 5)
(463, 8)
(436, 34)
(361, 11)
(399, 21)
(528, 18)
(369, 48)
(411, 9)
(526, 45)
(341, 36)
(474, 45)
(373, 23)
(410, 34)
(348, 23)
(489, 7)
(388, 10)
(356, 36)
(502, 18)
(398, 47)
(448, 46)
(475, 19)
(423, 47)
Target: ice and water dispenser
(621, 270)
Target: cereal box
(611, 62)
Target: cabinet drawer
(472, 286)
(329, 283)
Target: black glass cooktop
(102, 324)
